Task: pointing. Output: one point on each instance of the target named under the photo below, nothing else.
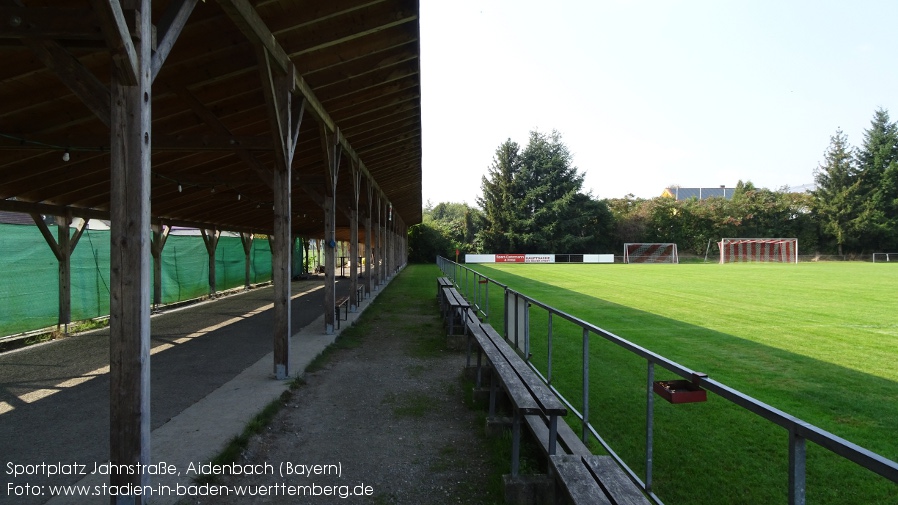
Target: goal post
(771, 250)
(885, 257)
(644, 252)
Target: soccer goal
(885, 257)
(775, 250)
(642, 252)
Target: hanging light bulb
(390, 218)
(238, 196)
(66, 156)
(180, 189)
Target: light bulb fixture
(66, 156)
(180, 189)
(238, 196)
(213, 189)
(390, 218)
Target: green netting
(28, 280)
(29, 286)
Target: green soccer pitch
(816, 340)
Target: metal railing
(517, 331)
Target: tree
(876, 161)
(835, 201)
(532, 201)
(499, 197)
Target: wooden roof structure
(354, 62)
(273, 116)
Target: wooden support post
(329, 270)
(129, 323)
(210, 238)
(382, 243)
(247, 240)
(333, 152)
(368, 248)
(62, 248)
(354, 236)
(370, 273)
(281, 274)
(285, 117)
(160, 236)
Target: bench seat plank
(580, 485)
(546, 398)
(521, 397)
(615, 482)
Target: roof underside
(213, 148)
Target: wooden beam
(74, 75)
(129, 323)
(118, 39)
(161, 143)
(248, 21)
(213, 122)
(49, 23)
(173, 21)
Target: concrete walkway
(191, 430)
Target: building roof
(679, 193)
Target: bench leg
(493, 385)
(479, 368)
(553, 433)
(516, 444)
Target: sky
(651, 93)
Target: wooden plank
(577, 482)
(614, 481)
(547, 399)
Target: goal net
(642, 252)
(885, 257)
(775, 250)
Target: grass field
(817, 340)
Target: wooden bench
(529, 396)
(595, 480)
(582, 477)
(343, 301)
(442, 282)
(454, 307)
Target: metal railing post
(527, 331)
(585, 435)
(649, 426)
(797, 454)
(549, 368)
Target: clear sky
(649, 93)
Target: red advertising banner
(510, 258)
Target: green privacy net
(29, 286)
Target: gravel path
(388, 410)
